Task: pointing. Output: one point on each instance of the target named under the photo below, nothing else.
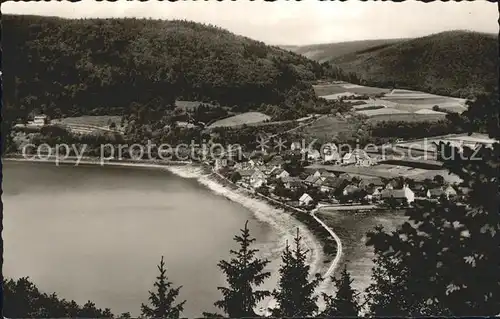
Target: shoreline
(272, 212)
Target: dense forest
(65, 67)
(454, 63)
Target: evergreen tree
(345, 303)
(295, 295)
(444, 261)
(162, 300)
(243, 273)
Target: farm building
(357, 157)
(331, 154)
(257, 179)
(400, 195)
(292, 182)
(40, 120)
(305, 199)
(447, 192)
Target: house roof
(396, 193)
(258, 172)
(276, 160)
(313, 153)
(369, 181)
(442, 191)
(311, 179)
(350, 189)
(304, 197)
(291, 178)
(246, 172)
(450, 190)
(330, 182)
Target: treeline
(65, 67)
(22, 299)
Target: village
(309, 179)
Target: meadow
(404, 117)
(97, 120)
(394, 105)
(323, 90)
(327, 128)
(241, 119)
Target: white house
(305, 199)
(282, 173)
(330, 153)
(399, 194)
(357, 157)
(441, 191)
(313, 155)
(295, 146)
(257, 179)
(40, 120)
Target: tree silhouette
(162, 300)
(244, 272)
(295, 294)
(345, 303)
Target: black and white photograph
(250, 159)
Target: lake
(97, 233)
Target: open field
(428, 144)
(328, 127)
(100, 120)
(405, 117)
(240, 119)
(415, 100)
(90, 124)
(403, 103)
(382, 111)
(324, 90)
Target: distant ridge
(327, 51)
(456, 63)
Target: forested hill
(328, 51)
(99, 66)
(456, 63)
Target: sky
(291, 22)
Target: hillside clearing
(97, 120)
(240, 119)
(323, 90)
(381, 111)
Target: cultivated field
(460, 139)
(327, 128)
(240, 119)
(414, 101)
(406, 117)
(395, 105)
(381, 111)
(89, 124)
(324, 90)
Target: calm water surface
(98, 233)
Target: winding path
(338, 256)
